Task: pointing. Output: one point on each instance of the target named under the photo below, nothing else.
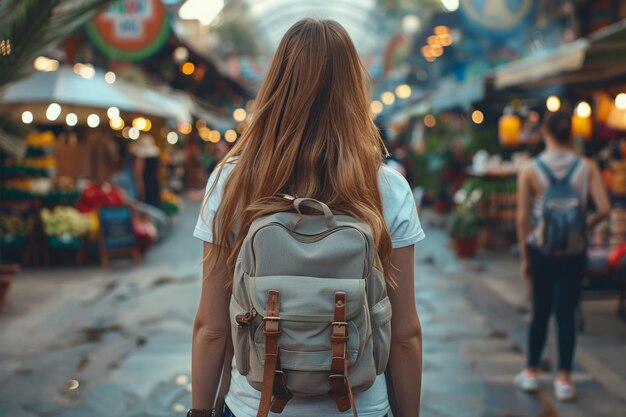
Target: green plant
(28, 27)
(465, 222)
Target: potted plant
(465, 223)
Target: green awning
(599, 57)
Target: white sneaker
(563, 391)
(527, 382)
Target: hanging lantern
(509, 129)
(582, 127)
(603, 104)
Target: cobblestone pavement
(78, 343)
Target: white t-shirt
(404, 226)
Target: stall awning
(13, 146)
(79, 95)
(457, 94)
(599, 57)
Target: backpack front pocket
(381, 333)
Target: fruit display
(15, 227)
(95, 196)
(171, 203)
(498, 197)
(64, 221)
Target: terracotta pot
(465, 248)
(7, 272)
(442, 206)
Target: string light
(430, 121)
(215, 136)
(71, 119)
(87, 71)
(45, 64)
(583, 110)
(553, 103)
(172, 138)
(5, 47)
(180, 54)
(53, 112)
(230, 135)
(376, 107)
(239, 115)
(27, 117)
(620, 101)
(188, 68)
(93, 120)
(110, 77)
(133, 133)
(116, 123)
(185, 128)
(403, 91)
(113, 112)
(478, 117)
(388, 98)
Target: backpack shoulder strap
(570, 172)
(544, 168)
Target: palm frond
(34, 25)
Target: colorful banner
(497, 15)
(130, 29)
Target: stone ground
(89, 343)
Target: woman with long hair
(312, 135)
(555, 279)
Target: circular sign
(497, 15)
(130, 29)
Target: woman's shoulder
(391, 177)
(392, 184)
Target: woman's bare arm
(598, 195)
(522, 223)
(210, 336)
(405, 359)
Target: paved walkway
(78, 343)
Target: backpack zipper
(316, 238)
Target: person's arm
(522, 218)
(210, 335)
(405, 357)
(598, 195)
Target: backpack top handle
(317, 205)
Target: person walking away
(295, 280)
(146, 170)
(553, 192)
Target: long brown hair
(312, 135)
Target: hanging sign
(497, 15)
(130, 29)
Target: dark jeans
(556, 286)
(228, 413)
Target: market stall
(81, 155)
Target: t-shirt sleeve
(399, 209)
(212, 199)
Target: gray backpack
(309, 312)
(562, 223)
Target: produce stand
(495, 207)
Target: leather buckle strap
(339, 331)
(281, 393)
(340, 389)
(271, 326)
(271, 329)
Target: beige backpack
(309, 312)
